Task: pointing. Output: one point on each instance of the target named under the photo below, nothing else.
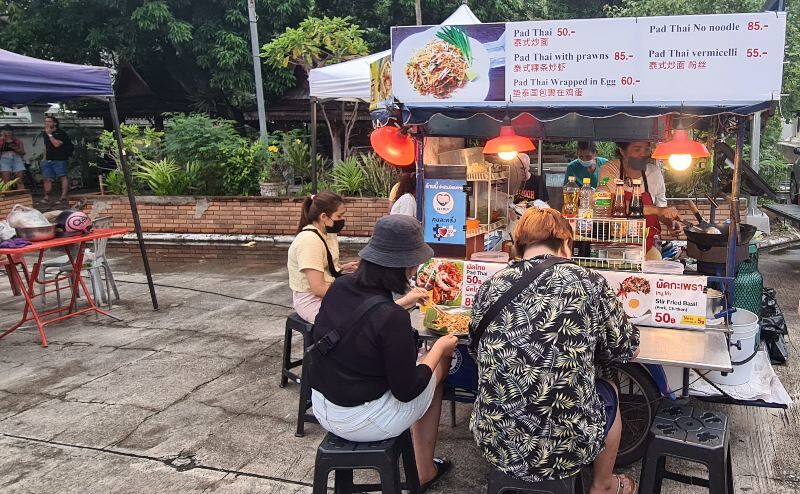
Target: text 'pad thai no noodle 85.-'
(438, 70)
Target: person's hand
(447, 344)
(413, 297)
(671, 218)
(350, 267)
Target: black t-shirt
(383, 356)
(537, 185)
(60, 153)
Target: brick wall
(8, 199)
(228, 215)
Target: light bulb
(680, 162)
(507, 155)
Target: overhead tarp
(351, 80)
(25, 80)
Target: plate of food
(455, 322)
(439, 64)
(634, 293)
(442, 278)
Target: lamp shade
(680, 144)
(508, 142)
(393, 145)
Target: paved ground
(186, 399)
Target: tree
(202, 46)
(317, 42)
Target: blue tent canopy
(26, 80)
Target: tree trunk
(348, 122)
(418, 11)
(335, 132)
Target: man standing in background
(57, 150)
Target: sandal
(621, 477)
(443, 465)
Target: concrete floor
(186, 399)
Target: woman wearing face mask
(314, 254)
(368, 384)
(587, 165)
(635, 163)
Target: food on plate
(633, 284)
(452, 323)
(438, 69)
(385, 84)
(443, 279)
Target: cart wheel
(639, 399)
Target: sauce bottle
(619, 211)
(636, 209)
(570, 207)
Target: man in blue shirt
(587, 165)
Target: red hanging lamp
(681, 150)
(393, 144)
(508, 143)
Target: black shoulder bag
(333, 338)
(518, 287)
(331, 266)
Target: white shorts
(375, 420)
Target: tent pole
(112, 104)
(419, 141)
(313, 145)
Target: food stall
(600, 79)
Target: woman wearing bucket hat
(367, 384)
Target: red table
(16, 261)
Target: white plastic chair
(94, 262)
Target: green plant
(115, 183)
(379, 176)
(167, 178)
(348, 177)
(139, 143)
(251, 164)
(6, 186)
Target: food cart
(602, 79)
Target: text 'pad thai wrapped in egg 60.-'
(437, 70)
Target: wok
(707, 240)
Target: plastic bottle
(603, 201)
(570, 207)
(619, 212)
(585, 211)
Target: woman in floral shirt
(542, 412)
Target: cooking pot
(37, 233)
(705, 241)
(715, 303)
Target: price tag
(475, 274)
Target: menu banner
(380, 83)
(445, 211)
(455, 283)
(700, 59)
(661, 300)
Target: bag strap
(517, 288)
(331, 266)
(333, 338)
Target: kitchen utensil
(705, 241)
(704, 225)
(714, 304)
(37, 233)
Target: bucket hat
(397, 243)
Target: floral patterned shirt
(537, 415)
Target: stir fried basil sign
(445, 211)
(661, 300)
(699, 59)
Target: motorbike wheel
(639, 400)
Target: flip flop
(621, 485)
(443, 465)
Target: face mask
(587, 164)
(639, 164)
(336, 227)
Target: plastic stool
(342, 456)
(500, 482)
(691, 434)
(296, 323)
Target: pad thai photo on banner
(456, 63)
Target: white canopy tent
(350, 81)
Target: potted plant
(270, 180)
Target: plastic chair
(295, 323)
(95, 263)
(15, 290)
(500, 482)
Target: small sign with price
(661, 300)
(475, 274)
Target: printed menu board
(661, 300)
(445, 211)
(454, 283)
